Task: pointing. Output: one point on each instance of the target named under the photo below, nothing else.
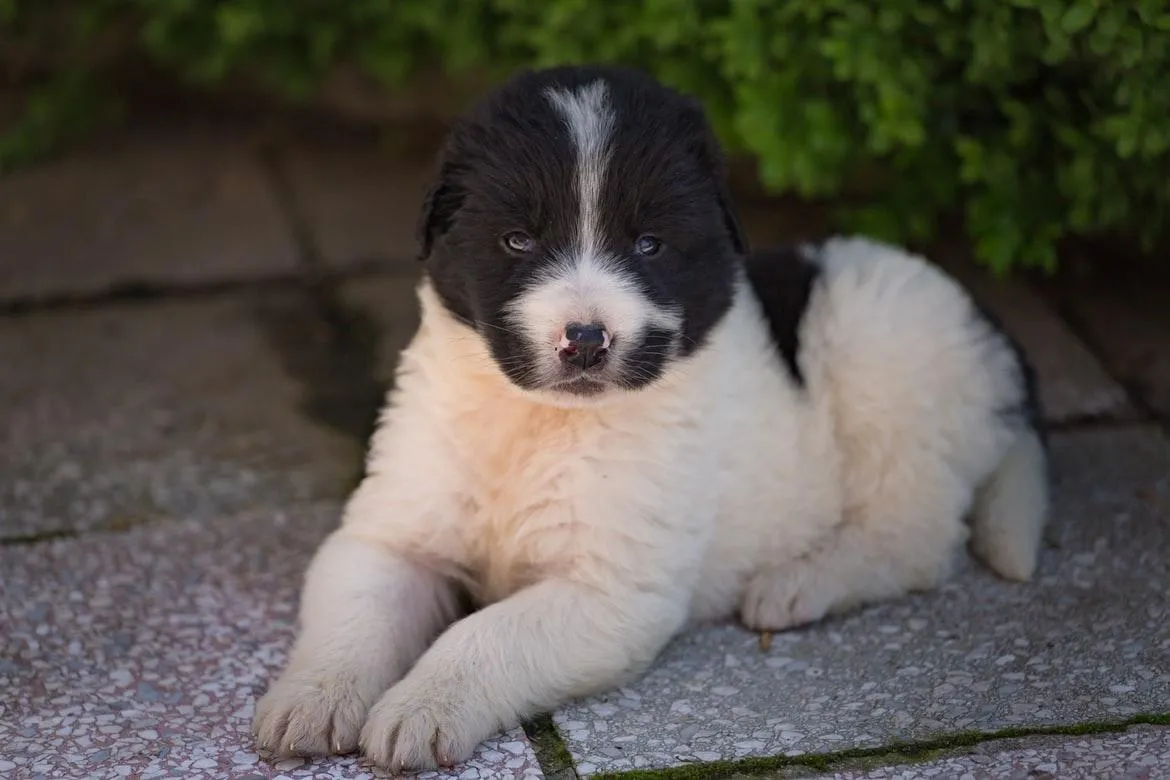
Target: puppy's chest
(522, 472)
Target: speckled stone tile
(121, 414)
(1140, 753)
(1088, 640)
(174, 204)
(141, 654)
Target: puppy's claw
(765, 641)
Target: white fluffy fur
(596, 533)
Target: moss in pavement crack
(555, 760)
(896, 753)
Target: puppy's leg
(529, 653)
(366, 615)
(904, 538)
(1011, 509)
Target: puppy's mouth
(584, 386)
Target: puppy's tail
(1011, 509)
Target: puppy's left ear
(442, 200)
(710, 153)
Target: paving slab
(1087, 640)
(1131, 328)
(186, 408)
(142, 654)
(1139, 753)
(360, 202)
(164, 205)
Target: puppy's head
(580, 223)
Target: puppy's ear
(731, 219)
(443, 199)
(710, 154)
(438, 209)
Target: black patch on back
(783, 280)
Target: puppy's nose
(584, 346)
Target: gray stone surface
(142, 654)
(1088, 640)
(188, 409)
(360, 202)
(1140, 753)
(176, 205)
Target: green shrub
(1038, 118)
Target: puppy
(611, 423)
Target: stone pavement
(197, 324)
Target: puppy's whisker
(503, 329)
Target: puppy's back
(917, 379)
(902, 345)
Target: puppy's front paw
(784, 598)
(312, 714)
(426, 723)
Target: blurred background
(1025, 121)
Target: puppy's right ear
(442, 200)
(710, 153)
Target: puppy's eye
(518, 243)
(647, 246)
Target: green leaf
(1079, 15)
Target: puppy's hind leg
(1011, 509)
(904, 539)
(366, 616)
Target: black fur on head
(548, 197)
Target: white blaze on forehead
(590, 119)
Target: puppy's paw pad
(310, 715)
(418, 728)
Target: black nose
(584, 346)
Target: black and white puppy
(611, 423)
